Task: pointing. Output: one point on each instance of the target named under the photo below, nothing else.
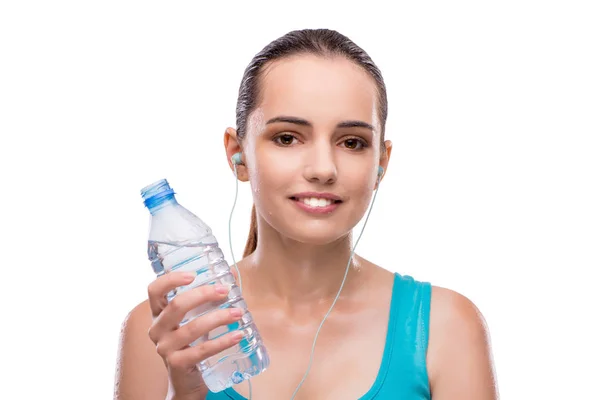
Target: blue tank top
(403, 372)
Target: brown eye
(354, 143)
(285, 139)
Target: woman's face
(312, 147)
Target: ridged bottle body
(180, 241)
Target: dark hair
(320, 42)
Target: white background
(492, 190)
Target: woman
(311, 119)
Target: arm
(141, 373)
(459, 357)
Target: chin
(319, 233)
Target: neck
(295, 274)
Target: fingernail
(190, 276)
(237, 336)
(236, 312)
(222, 289)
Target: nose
(320, 164)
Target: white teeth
(315, 202)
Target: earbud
(237, 159)
(380, 171)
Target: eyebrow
(303, 122)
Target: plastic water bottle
(180, 241)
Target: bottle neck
(155, 205)
(158, 195)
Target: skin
(291, 279)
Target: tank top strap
(406, 375)
(413, 314)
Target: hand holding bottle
(173, 341)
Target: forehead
(321, 90)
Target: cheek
(363, 197)
(269, 179)
(361, 190)
(358, 178)
(270, 168)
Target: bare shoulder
(456, 312)
(140, 371)
(459, 357)
(140, 316)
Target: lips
(317, 202)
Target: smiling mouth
(315, 202)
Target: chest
(345, 363)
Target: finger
(158, 289)
(189, 357)
(197, 328)
(170, 318)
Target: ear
(384, 160)
(232, 146)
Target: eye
(355, 143)
(285, 139)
